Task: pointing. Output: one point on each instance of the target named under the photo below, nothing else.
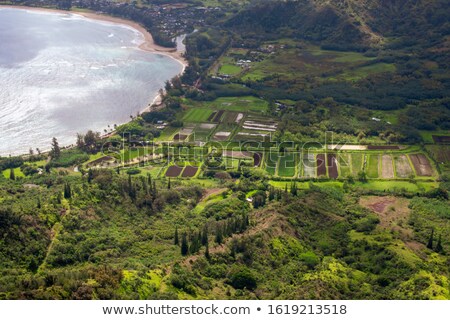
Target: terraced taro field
(421, 165)
(271, 162)
(321, 165)
(287, 165)
(332, 165)
(356, 162)
(372, 165)
(402, 166)
(173, 171)
(344, 165)
(189, 171)
(309, 165)
(387, 167)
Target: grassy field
(229, 69)
(389, 185)
(167, 134)
(372, 165)
(230, 163)
(326, 64)
(287, 165)
(427, 136)
(357, 162)
(129, 154)
(17, 173)
(344, 165)
(197, 115)
(239, 104)
(363, 72)
(271, 160)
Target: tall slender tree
(56, 150)
(430, 240)
(176, 241)
(184, 244)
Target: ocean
(63, 74)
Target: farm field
(421, 165)
(441, 154)
(238, 104)
(387, 167)
(321, 165)
(132, 153)
(309, 165)
(189, 171)
(402, 166)
(332, 165)
(197, 115)
(356, 162)
(173, 171)
(230, 163)
(372, 165)
(344, 164)
(271, 161)
(287, 165)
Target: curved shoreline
(148, 44)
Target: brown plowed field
(403, 167)
(179, 137)
(321, 165)
(173, 171)
(332, 166)
(387, 167)
(189, 171)
(383, 148)
(421, 165)
(257, 157)
(441, 139)
(218, 116)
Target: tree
(271, 193)
(176, 241)
(90, 141)
(67, 191)
(243, 279)
(12, 175)
(56, 151)
(219, 235)
(80, 141)
(294, 189)
(439, 247)
(90, 175)
(207, 255)
(430, 240)
(362, 176)
(168, 185)
(184, 244)
(205, 236)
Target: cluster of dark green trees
(192, 242)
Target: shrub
(243, 279)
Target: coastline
(148, 43)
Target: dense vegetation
(105, 220)
(111, 236)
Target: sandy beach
(148, 44)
